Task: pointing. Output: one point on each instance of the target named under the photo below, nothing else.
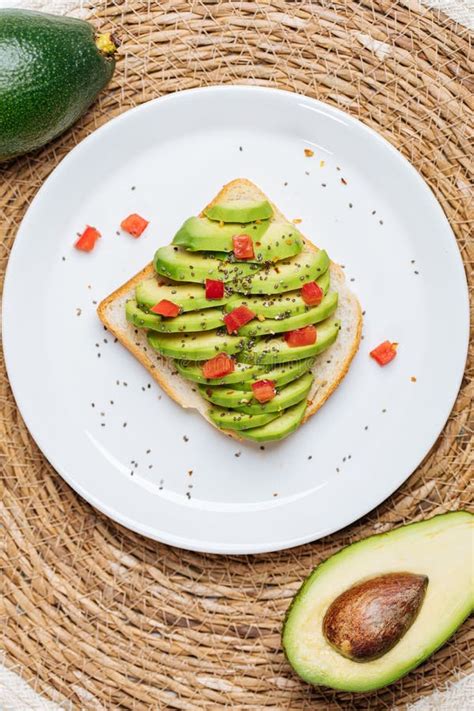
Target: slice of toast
(329, 368)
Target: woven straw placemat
(97, 617)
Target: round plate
(111, 432)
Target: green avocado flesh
(191, 321)
(195, 346)
(270, 286)
(313, 315)
(272, 241)
(280, 427)
(244, 401)
(277, 306)
(242, 372)
(439, 548)
(268, 351)
(239, 211)
(50, 72)
(180, 265)
(189, 297)
(279, 375)
(232, 420)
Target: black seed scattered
(412, 261)
(352, 279)
(344, 459)
(240, 148)
(237, 454)
(102, 424)
(363, 313)
(366, 427)
(78, 312)
(98, 355)
(102, 414)
(415, 272)
(117, 382)
(350, 204)
(124, 424)
(150, 466)
(285, 184)
(115, 340)
(384, 410)
(148, 451)
(63, 258)
(92, 404)
(188, 495)
(262, 447)
(323, 185)
(349, 456)
(337, 167)
(125, 384)
(310, 456)
(380, 222)
(117, 232)
(133, 187)
(373, 212)
(186, 438)
(337, 469)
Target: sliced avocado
(201, 234)
(232, 420)
(286, 275)
(190, 297)
(189, 322)
(195, 346)
(279, 428)
(280, 374)
(278, 305)
(141, 318)
(239, 210)
(286, 397)
(272, 241)
(313, 315)
(439, 548)
(176, 263)
(225, 395)
(276, 350)
(242, 372)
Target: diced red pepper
(166, 308)
(264, 390)
(384, 353)
(312, 294)
(237, 318)
(87, 240)
(214, 289)
(217, 367)
(243, 246)
(301, 337)
(134, 224)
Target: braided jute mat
(97, 617)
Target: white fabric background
(16, 694)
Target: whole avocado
(51, 70)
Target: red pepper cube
(264, 390)
(166, 308)
(243, 246)
(384, 353)
(301, 337)
(87, 240)
(134, 224)
(312, 294)
(214, 289)
(238, 318)
(217, 367)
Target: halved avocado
(269, 351)
(286, 275)
(239, 210)
(180, 265)
(195, 346)
(280, 374)
(242, 372)
(313, 315)
(277, 306)
(189, 297)
(283, 425)
(232, 420)
(439, 548)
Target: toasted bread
(329, 368)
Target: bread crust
(160, 374)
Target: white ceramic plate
(123, 444)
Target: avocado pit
(370, 618)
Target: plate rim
(132, 524)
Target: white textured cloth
(15, 693)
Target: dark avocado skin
(50, 73)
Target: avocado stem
(106, 44)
